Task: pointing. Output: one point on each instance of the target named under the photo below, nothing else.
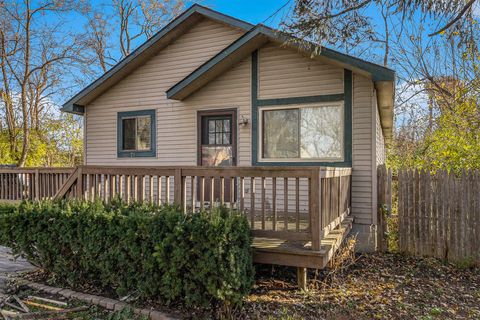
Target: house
(211, 90)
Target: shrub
(156, 251)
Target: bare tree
(33, 56)
(112, 36)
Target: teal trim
(299, 100)
(347, 113)
(256, 103)
(194, 9)
(254, 107)
(136, 154)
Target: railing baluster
(202, 193)
(159, 190)
(285, 202)
(242, 194)
(297, 203)
(212, 191)
(184, 193)
(263, 203)
(274, 203)
(232, 193)
(167, 189)
(222, 190)
(192, 190)
(252, 202)
(150, 185)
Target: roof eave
(74, 109)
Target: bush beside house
(155, 251)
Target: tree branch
(454, 20)
(347, 10)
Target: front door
(217, 147)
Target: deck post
(79, 183)
(302, 278)
(314, 209)
(37, 185)
(177, 189)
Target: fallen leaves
(379, 286)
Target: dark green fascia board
(153, 131)
(194, 9)
(346, 97)
(73, 108)
(211, 63)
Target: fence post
(314, 192)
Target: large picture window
(136, 133)
(310, 132)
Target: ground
(382, 286)
(9, 265)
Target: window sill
(136, 154)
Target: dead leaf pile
(377, 286)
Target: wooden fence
(438, 214)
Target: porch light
(243, 121)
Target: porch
(298, 215)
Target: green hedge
(155, 251)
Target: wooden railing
(292, 203)
(31, 183)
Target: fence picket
(438, 213)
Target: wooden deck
(300, 253)
(298, 215)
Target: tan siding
(362, 130)
(286, 73)
(145, 89)
(176, 121)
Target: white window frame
(340, 104)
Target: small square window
(136, 134)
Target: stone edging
(107, 303)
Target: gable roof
(254, 38)
(152, 46)
(383, 78)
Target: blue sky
(253, 11)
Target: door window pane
(321, 132)
(280, 133)
(217, 156)
(219, 132)
(128, 142)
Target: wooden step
(299, 253)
